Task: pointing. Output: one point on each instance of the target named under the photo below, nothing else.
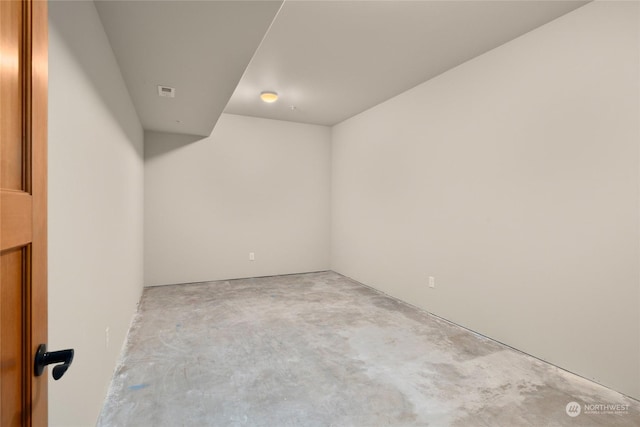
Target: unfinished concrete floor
(320, 349)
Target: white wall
(513, 180)
(95, 210)
(255, 185)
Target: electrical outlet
(106, 337)
(252, 256)
(432, 282)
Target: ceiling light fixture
(269, 96)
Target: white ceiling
(334, 59)
(329, 59)
(199, 47)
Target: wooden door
(23, 209)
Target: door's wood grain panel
(12, 329)
(12, 100)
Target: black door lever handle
(44, 358)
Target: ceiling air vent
(166, 91)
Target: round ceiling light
(269, 96)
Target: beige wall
(95, 210)
(513, 180)
(254, 185)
